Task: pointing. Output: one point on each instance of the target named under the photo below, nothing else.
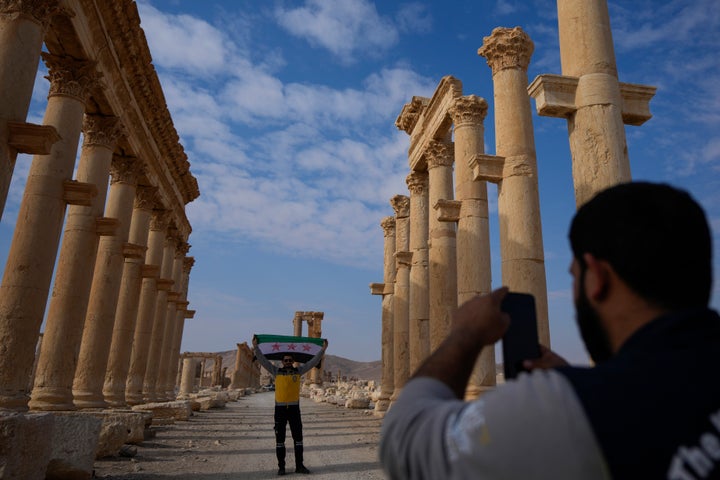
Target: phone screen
(521, 339)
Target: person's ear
(597, 277)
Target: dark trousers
(288, 414)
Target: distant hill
(332, 363)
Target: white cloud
(184, 42)
(344, 27)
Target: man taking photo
(648, 408)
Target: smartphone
(521, 338)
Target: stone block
(74, 444)
(178, 410)
(360, 403)
(25, 445)
(113, 436)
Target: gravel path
(237, 442)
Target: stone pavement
(237, 442)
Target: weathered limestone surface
(589, 95)
(401, 312)
(508, 52)
(25, 445)
(387, 318)
(178, 410)
(473, 233)
(74, 445)
(418, 306)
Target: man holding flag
(287, 385)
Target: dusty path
(237, 442)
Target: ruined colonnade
(115, 320)
(314, 328)
(448, 253)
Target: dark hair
(655, 236)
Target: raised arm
(263, 360)
(303, 369)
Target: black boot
(280, 453)
(299, 467)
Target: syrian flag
(302, 349)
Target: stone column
(128, 298)
(297, 324)
(100, 317)
(237, 374)
(589, 95)
(164, 284)
(181, 314)
(22, 29)
(442, 252)
(508, 53)
(146, 313)
(317, 373)
(74, 271)
(401, 322)
(473, 233)
(28, 271)
(188, 377)
(418, 306)
(165, 385)
(386, 290)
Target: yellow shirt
(287, 387)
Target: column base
(51, 399)
(85, 400)
(382, 405)
(14, 403)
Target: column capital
(410, 113)
(69, 76)
(440, 154)
(101, 130)
(182, 249)
(401, 205)
(160, 220)
(388, 226)
(145, 197)
(507, 48)
(188, 264)
(38, 11)
(125, 169)
(469, 109)
(417, 182)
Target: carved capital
(507, 48)
(182, 249)
(417, 182)
(101, 131)
(440, 154)
(38, 11)
(410, 113)
(469, 109)
(401, 205)
(160, 220)
(188, 264)
(145, 197)
(69, 76)
(125, 169)
(388, 226)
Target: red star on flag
(306, 347)
(275, 347)
(292, 346)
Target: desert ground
(237, 442)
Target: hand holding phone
(521, 338)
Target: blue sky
(286, 111)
